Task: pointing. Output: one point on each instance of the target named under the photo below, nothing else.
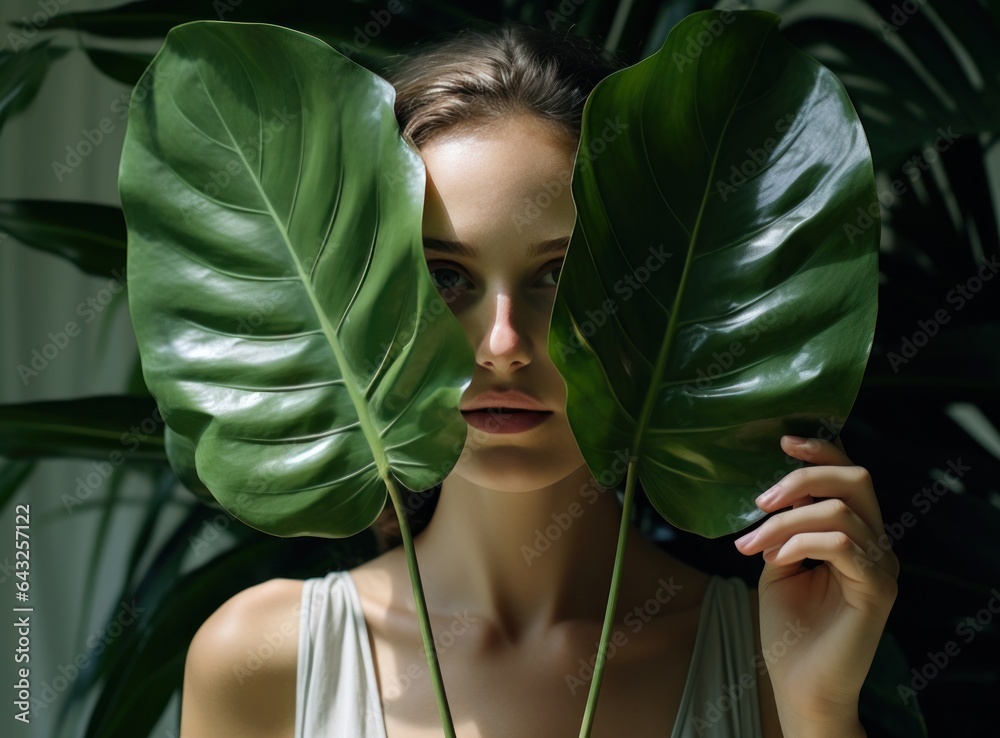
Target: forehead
(511, 179)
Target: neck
(524, 560)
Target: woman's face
(503, 192)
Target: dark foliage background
(925, 79)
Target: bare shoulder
(378, 580)
(770, 725)
(240, 670)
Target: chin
(517, 468)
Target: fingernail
(796, 439)
(745, 540)
(768, 496)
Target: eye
(450, 279)
(553, 273)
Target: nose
(504, 348)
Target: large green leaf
(286, 320)
(719, 289)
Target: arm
(240, 671)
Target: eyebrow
(460, 248)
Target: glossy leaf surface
(287, 324)
(720, 288)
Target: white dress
(336, 692)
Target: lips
(503, 400)
(504, 410)
(505, 420)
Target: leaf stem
(609, 615)
(422, 617)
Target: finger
(864, 585)
(852, 484)
(815, 450)
(826, 515)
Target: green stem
(418, 597)
(609, 615)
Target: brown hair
(471, 78)
(476, 76)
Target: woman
(517, 609)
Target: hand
(820, 626)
